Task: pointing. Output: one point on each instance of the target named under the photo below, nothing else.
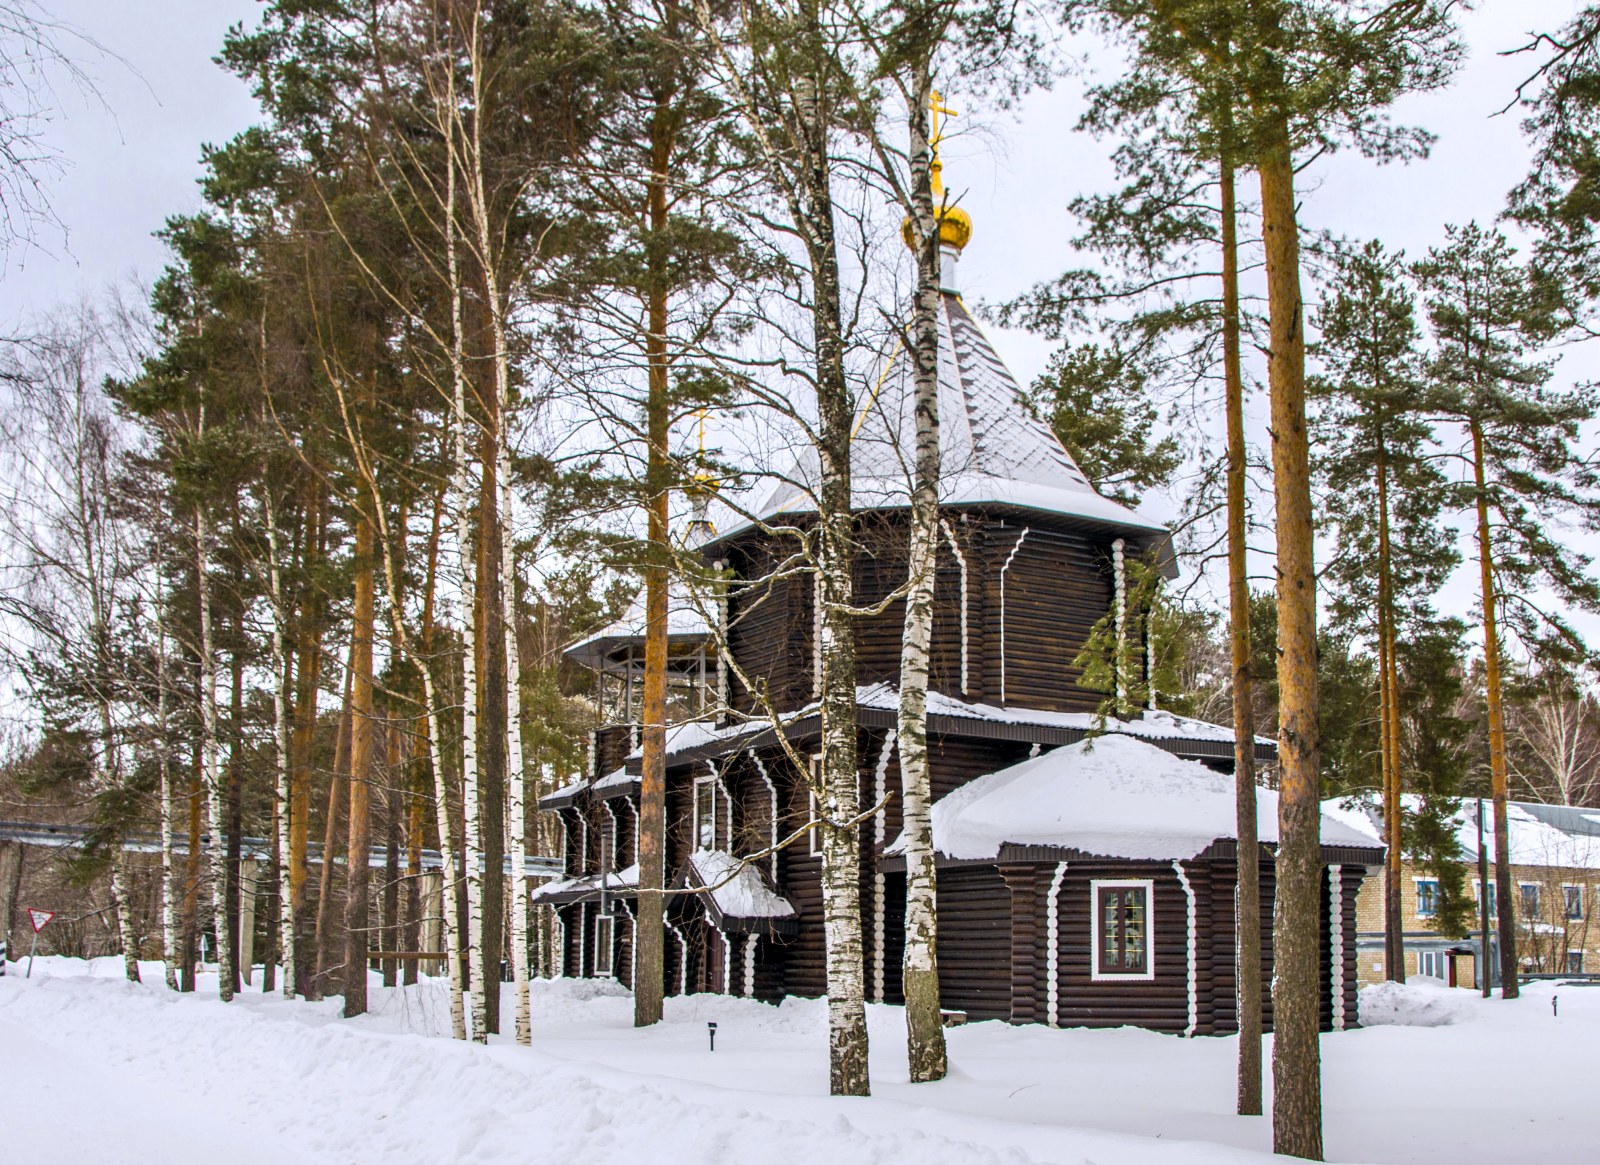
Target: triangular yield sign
(39, 918)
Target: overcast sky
(134, 162)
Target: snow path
(100, 1070)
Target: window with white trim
(814, 811)
(705, 812)
(1572, 903)
(1434, 963)
(1427, 897)
(605, 944)
(1531, 900)
(1574, 963)
(1477, 892)
(1120, 929)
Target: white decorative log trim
(683, 958)
(583, 946)
(561, 959)
(772, 820)
(880, 825)
(961, 560)
(1336, 918)
(1015, 549)
(1119, 609)
(633, 945)
(727, 962)
(1150, 654)
(816, 636)
(1052, 958)
(749, 966)
(1192, 944)
(566, 844)
(612, 813)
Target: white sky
(135, 163)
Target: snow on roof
(992, 448)
(685, 623)
(1541, 835)
(737, 889)
(627, 879)
(1148, 725)
(1112, 796)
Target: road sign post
(38, 919)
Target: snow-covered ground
(95, 1069)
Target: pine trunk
(650, 915)
(491, 803)
(1247, 870)
(925, 1045)
(1394, 943)
(1506, 921)
(1296, 1056)
(323, 934)
(358, 871)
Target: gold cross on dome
(936, 106)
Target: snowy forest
(502, 305)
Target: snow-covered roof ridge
(1548, 836)
(1112, 796)
(992, 447)
(619, 881)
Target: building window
(1434, 963)
(814, 810)
(705, 813)
(608, 843)
(1427, 898)
(1477, 890)
(604, 938)
(1572, 902)
(1530, 900)
(1574, 962)
(1121, 929)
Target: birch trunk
(841, 835)
(211, 776)
(1247, 867)
(1498, 781)
(925, 1045)
(515, 772)
(280, 741)
(1296, 1057)
(461, 498)
(169, 912)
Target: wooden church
(1083, 879)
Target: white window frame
(1567, 965)
(605, 954)
(1522, 901)
(1477, 894)
(1149, 887)
(1420, 882)
(1440, 958)
(710, 781)
(1566, 913)
(813, 812)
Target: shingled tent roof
(993, 449)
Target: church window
(1121, 929)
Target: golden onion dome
(955, 224)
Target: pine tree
(1382, 495)
(1525, 472)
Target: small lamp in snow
(711, 1030)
